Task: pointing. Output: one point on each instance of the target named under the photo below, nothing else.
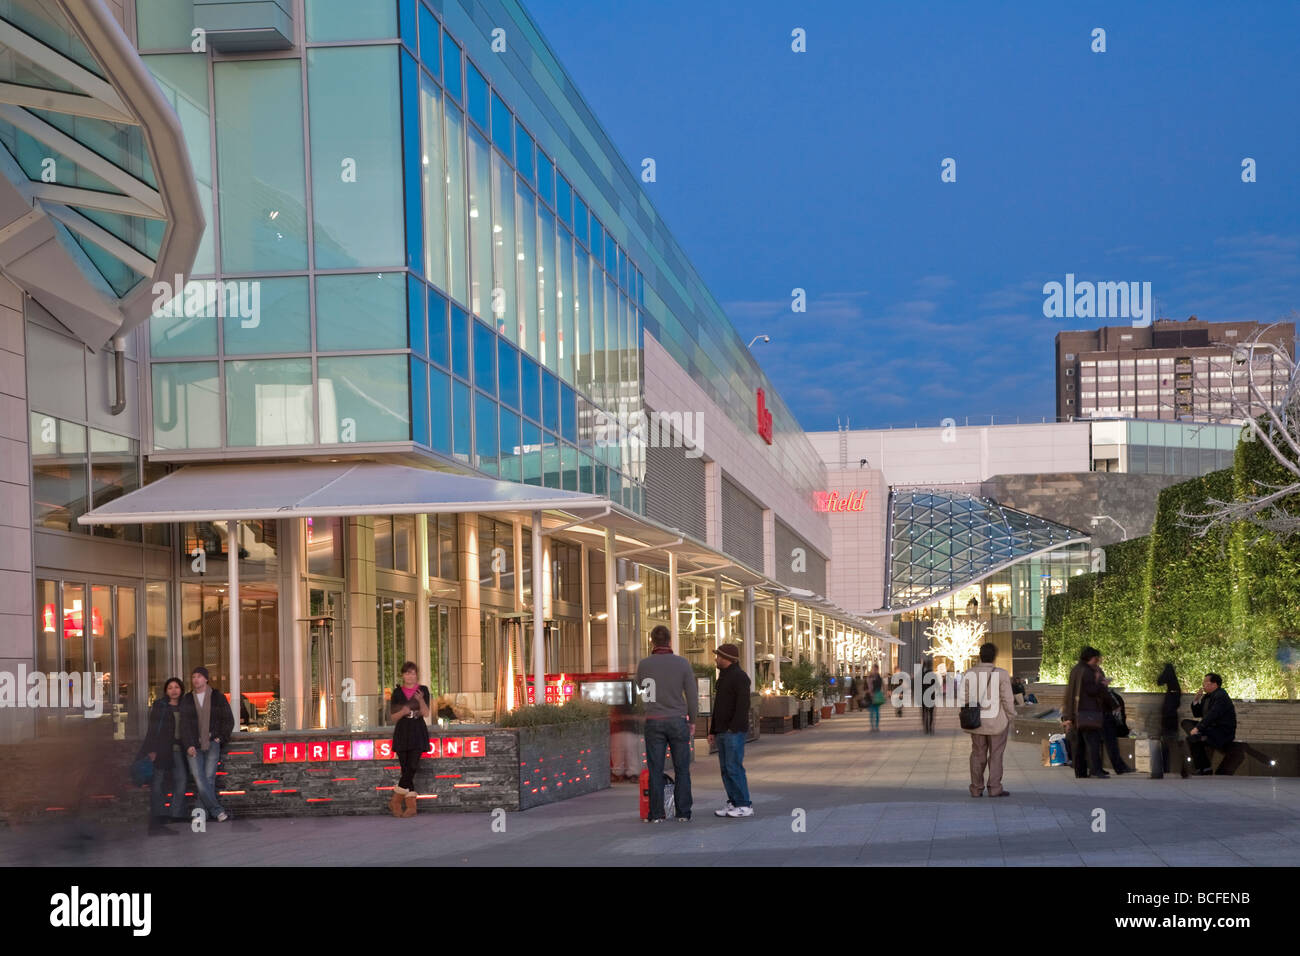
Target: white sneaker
(740, 812)
(725, 810)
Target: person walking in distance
(1085, 702)
(728, 726)
(929, 691)
(875, 695)
(162, 743)
(666, 683)
(991, 687)
(206, 725)
(408, 704)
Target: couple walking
(667, 682)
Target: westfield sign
(832, 501)
(764, 418)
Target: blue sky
(821, 170)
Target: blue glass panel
(585, 477)
(419, 401)
(551, 465)
(430, 42)
(451, 65)
(611, 255)
(532, 385)
(508, 363)
(622, 269)
(569, 414)
(406, 22)
(503, 127)
(415, 317)
(580, 220)
(439, 336)
(460, 341)
(511, 462)
(412, 165)
(564, 201)
(569, 466)
(485, 432)
(359, 312)
(485, 359)
(615, 487)
(524, 158)
(476, 96)
(460, 403)
(545, 178)
(640, 289)
(550, 402)
(597, 240)
(440, 411)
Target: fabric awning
(320, 489)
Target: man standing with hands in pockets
(666, 682)
(728, 725)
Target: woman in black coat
(928, 701)
(409, 707)
(1169, 704)
(162, 745)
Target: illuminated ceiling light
(692, 600)
(602, 616)
(632, 586)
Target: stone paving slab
(892, 798)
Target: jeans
(1085, 752)
(179, 778)
(203, 771)
(927, 720)
(731, 755)
(660, 735)
(875, 715)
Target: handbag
(878, 698)
(968, 717)
(141, 771)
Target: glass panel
(526, 253)
(564, 295)
(384, 542)
(103, 634)
(585, 477)
(447, 554)
(430, 41)
(598, 303)
(183, 80)
(524, 157)
(279, 321)
(364, 398)
(503, 127)
(532, 386)
(115, 471)
(419, 401)
(268, 402)
(356, 157)
(416, 320)
(480, 224)
(569, 414)
(460, 333)
(403, 542)
(550, 402)
(360, 312)
(186, 324)
(349, 20)
(485, 433)
(564, 200)
(580, 219)
(163, 24)
(581, 321)
(508, 362)
(451, 66)
(531, 455)
(412, 160)
(510, 461)
(435, 194)
(406, 22)
(59, 472)
(569, 465)
(547, 287)
(75, 613)
(461, 436)
(476, 96)
(545, 178)
(158, 650)
(186, 405)
(485, 354)
(503, 250)
(440, 411)
(551, 465)
(456, 211)
(261, 166)
(325, 546)
(439, 329)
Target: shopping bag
(1056, 750)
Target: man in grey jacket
(666, 684)
(991, 687)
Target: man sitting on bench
(1217, 727)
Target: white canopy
(320, 489)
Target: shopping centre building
(335, 332)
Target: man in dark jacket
(1217, 727)
(728, 725)
(1083, 696)
(206, 726)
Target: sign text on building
(835, 502)
(764, 418)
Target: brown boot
(410, 804)
(397, 804)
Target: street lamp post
(1097, 519)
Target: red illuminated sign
(764, 418)
(325, 750)
(272, 753)
(318, 750)
(833, 502)
(295, 752)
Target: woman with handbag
(875, 695)
(1082, 710)
(162, 748)
(409, 706)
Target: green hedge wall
(1218, 603)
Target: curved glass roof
(943, 540)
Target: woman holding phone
(409, 706)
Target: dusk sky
(821, 170)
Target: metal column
(749, 631)
(539, 615)
(232, 562)
(674, 602)
(611, 603)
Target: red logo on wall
(764, 418)
(831, 501)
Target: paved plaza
(894, 798)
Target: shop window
(325, 547)
(60, 473)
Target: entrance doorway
(325, 662)
(391, 630)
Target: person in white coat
(991, 686)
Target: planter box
(774, 706)
(841, 706)
(799, 720)
(827, 710)
(778, 725)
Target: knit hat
(730, 651)
(201, 670)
